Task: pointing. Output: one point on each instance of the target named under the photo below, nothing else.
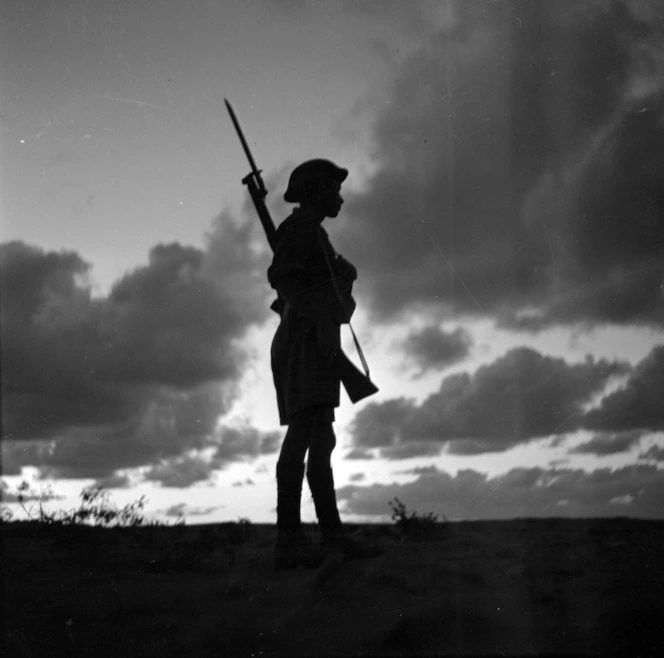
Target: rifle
(358, 385)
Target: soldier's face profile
(330, 198)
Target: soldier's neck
(316, 214)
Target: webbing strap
(365, 365)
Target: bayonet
(254, 182)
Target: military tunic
(304, 271)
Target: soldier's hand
(344, 268)
(347, 309)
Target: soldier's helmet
(308, 172)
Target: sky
(504, 209)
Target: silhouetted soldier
(314, 286)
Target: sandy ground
(523, 587)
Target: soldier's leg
(321, 481)
(290, 473)
(292, 547)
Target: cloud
(161, 429)
(164, 323)
(358, 453)
(603, 217)
(410, 451)
(243, 483)
(73, 361)
(432, 347)
(655, 452)
(609, 444)
(521, 396)
(243, 443)
(114, 481)
(181, 471)
(638, 405)
(184, 510)
(421, 470)
(521, 492)
(377, 424)
(96, 384)
(512, 155)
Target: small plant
(96, 509)
(29, 499)
(413, 524)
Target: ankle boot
(289, 494)
(321, 483)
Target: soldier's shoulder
(296, 227)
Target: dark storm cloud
(142, 374)
(164, 323)
(520, 396)
(609, 444)
(181, 471)
(655, 452)
(603, 216)
(159, 432)
(114, 481)
(522, 492)
(70, 360)
(239, 444)
(469, 447)
(11, 459)
(432, 347)
(638, 405)
(47, 320)
(500, 147)
(379, 423)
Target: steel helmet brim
(312, 170)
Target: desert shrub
(413, 524)
(134, 540)
(96, 509)
(33, 503)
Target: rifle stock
(358, 386)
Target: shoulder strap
(365, 365)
